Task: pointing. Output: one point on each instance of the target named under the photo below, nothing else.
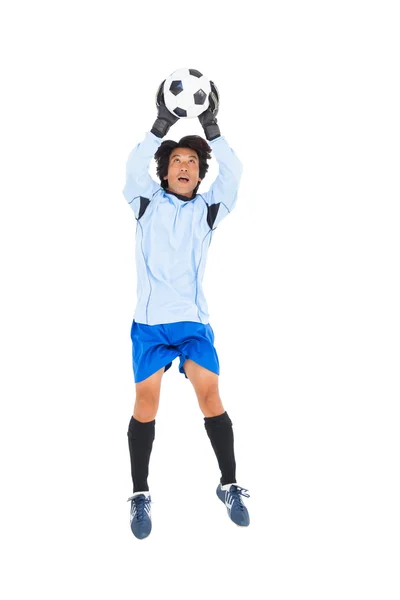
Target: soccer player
(175, 225)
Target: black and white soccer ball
(186, 93)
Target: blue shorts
(156, 346)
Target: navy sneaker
(140, 514)
(230, 494)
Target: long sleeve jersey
(173, 234)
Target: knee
(146, 406)
(210, 402)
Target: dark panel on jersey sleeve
(144, 202)
(212, 212)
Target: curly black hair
(195, 142)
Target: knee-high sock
(219, 430)
(140, 438)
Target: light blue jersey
(173, 234)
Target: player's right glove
(165, 118)
(208, 118)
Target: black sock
(140, 438)
(219, 430)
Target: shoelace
(140, 503)
(238, 491)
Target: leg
(205, 385)
(216, 420)
(141, 429)
(148, 397)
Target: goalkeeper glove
(208, 118)
(165, 118)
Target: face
(183, 171)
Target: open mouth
(183, 179)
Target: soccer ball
(186, 93)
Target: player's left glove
(208, 118)
(165, 118)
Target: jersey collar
(185, 198)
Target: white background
(302, 284)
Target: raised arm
(140, 187)
(222, 195)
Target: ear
(199, 179)
(166, 177)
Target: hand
(165, 118)
(208, 118)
